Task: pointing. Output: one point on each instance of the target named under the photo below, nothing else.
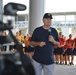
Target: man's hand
(51, 39)
(41, 44)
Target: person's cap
(48, 15)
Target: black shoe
(72, 63)
(57, 63)
(65, 63)
(61, 63)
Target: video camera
(14, 63)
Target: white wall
(66, 31)
(74, 32)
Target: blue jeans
(41, 69)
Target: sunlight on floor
(74, 60)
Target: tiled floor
(65, 70)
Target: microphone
(49, 30)
(49, 33)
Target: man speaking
(44, 46)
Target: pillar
(1, 10)
(36, 11)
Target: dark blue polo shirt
(44, 55)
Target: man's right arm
(33, 43)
